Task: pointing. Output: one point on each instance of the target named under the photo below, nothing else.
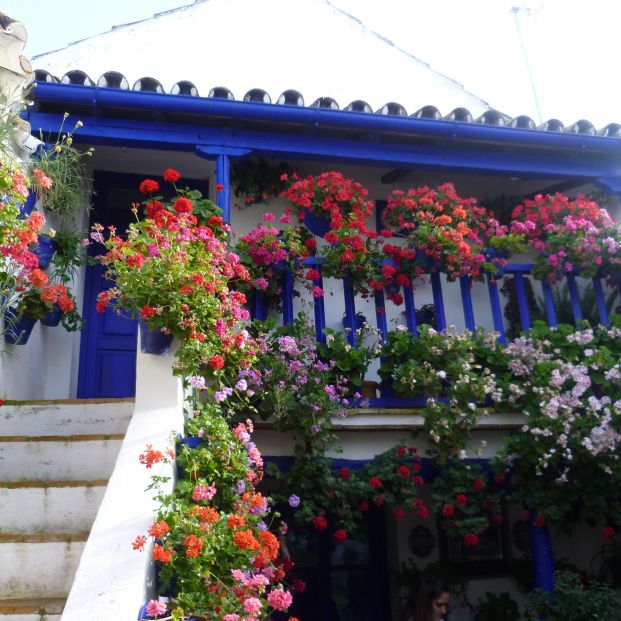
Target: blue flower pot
(44, 249)
(29, 204)
(154, 341)
(52, 319)
(317, 225)
(191, 441)
(19, 327)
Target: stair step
(34, 609)
(51, 509)
(66, 417)
(54, 460)
(38, 569)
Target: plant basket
(154, 341)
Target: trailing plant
(66, 196)
(294, 387)
(564, 461)
(334, 498)
(257, 179)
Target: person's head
(431, 599)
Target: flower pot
(18, 327)
(154, 341)
(29, 204)
(52, 319)
(44, 249)
(317, 225)
(368, 389)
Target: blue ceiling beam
(210, 141)
(98, 99)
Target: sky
(543, 58)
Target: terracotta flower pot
(368, 389)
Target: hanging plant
(256, 179)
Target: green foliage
(495, 607)
(574, 599)
(256, 179)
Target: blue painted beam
(287, 297)
(494, 161)
(96, 98)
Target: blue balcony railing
(518, 272)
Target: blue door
(108, 346)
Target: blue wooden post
(465, 283)
(601, 302)
(525, 320)
(410, 310)
(258, 306)
(548, 300)
(382, 326)
(350, 311)
(223, 178)
(574, 296)
(320, 311)
(287, 296)
(541, 554)
(438, 300)
(494, 299)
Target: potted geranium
(174, 274)
(568, 235)
(266, 252)
(336, 208)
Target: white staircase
(55, 461)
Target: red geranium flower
(471, 540)
(216, 362)
(148, 186)
(171, 175)
(320, 523)
(448, 510)
(375, 482)
(182, 205)
(340, 535)
(461, 500)
(608, 532)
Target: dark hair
(419, 602)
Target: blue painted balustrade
(517, 272)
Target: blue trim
(175, 137)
